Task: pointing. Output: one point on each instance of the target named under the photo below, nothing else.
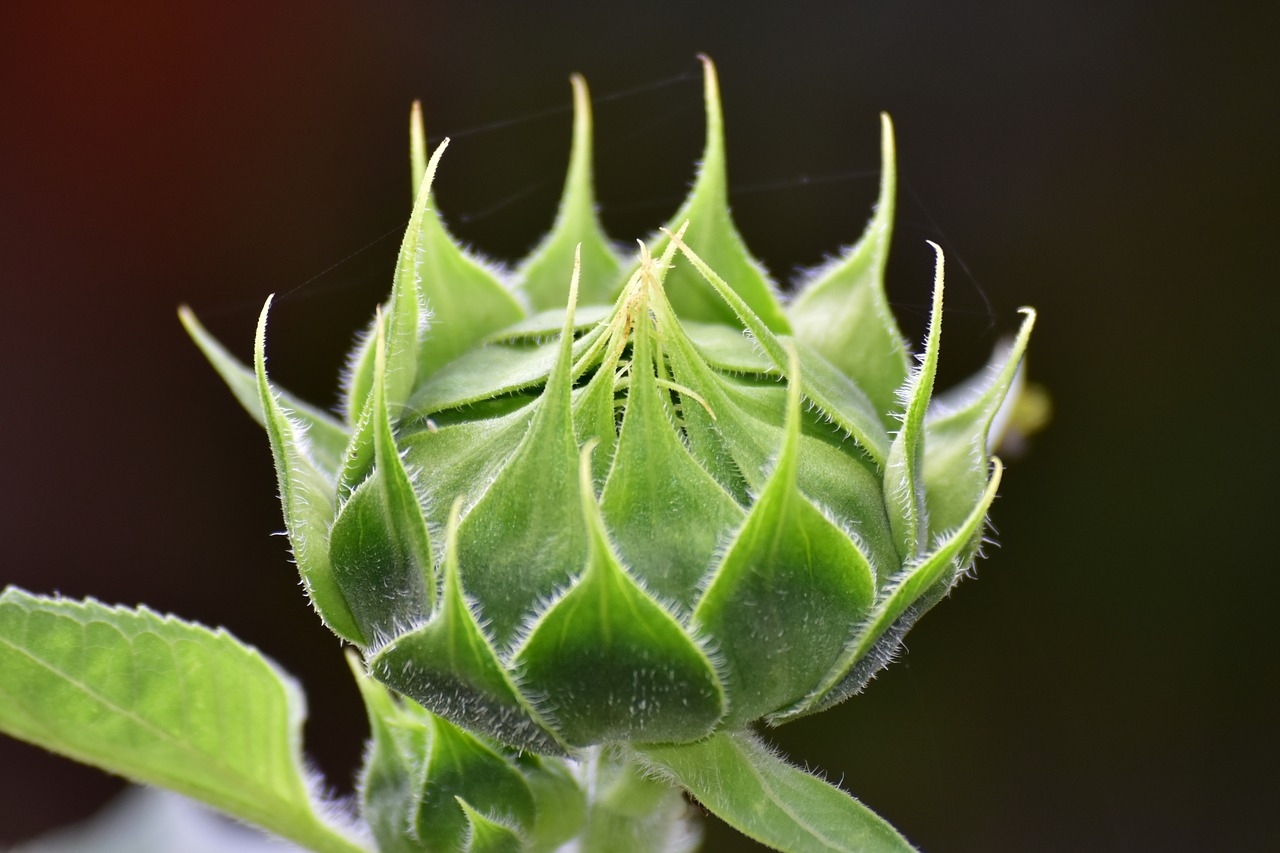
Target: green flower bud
(596, 502)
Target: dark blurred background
(1108, 683)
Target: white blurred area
(145, 820)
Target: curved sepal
(711, 227)
(842, 401)
(486, 835)
(379, 546)
(463, 300)
(958, 438)
(449, 666)
(667, 513)
(842, 312)
(779, 604)
(901, 603)
(612, 663)
(495, 370)
(749, 787)
(461, 460)
(736, 431)
(904, 491)
(524, 538)
(307, 495)
(408, 312)
(326, 436)
(544, 276)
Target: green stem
(629, 811)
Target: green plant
(581, 530)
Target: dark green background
(1109, 683)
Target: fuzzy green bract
(589, 518)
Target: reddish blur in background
(1109, 683)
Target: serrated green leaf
(903, 601)
(841, 401)
(958, 439)
(162, 702)
(842, 310)
(612, 663)
(781, 600)
(711, 229)
(669, 515)
(326, 435)
(463, 298)
(750, 788)
(524, 538)
(449, 666)
(307, 496)
(544, 276)
(904, 490)
(488, 836)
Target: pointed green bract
(746, 785)
(463, 460)
(419, 766)
(902, 598)
(669, 515)
(484, 835)
(772, 518)
(417, 150)
(524, 536)
(358, 458)
(840, 401)
(465, 301)
(711, 228)
(957, 442)
(162, 702)
(789, 584)
(544, 275)
(407, 308)
(842, 310)
(460, 765)
(379, 546)
(326, 437)
(904, 490)
(449, 666)
(308, 497)
(612, 663)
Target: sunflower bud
(593, 502)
